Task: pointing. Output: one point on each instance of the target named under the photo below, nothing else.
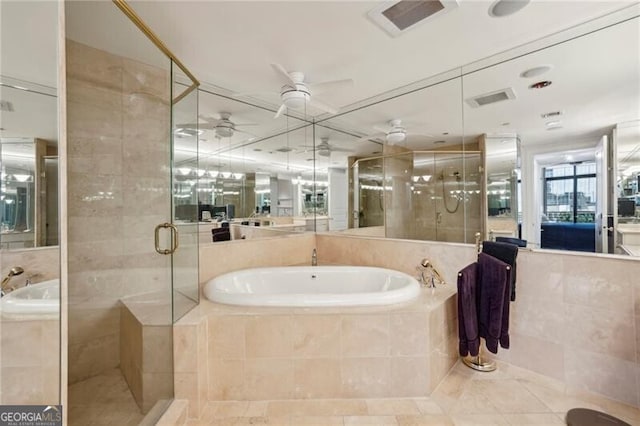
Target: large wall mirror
(251, 175)
(540, 144)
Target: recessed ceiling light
(502, 8)
(439, 142)
(445, 133)
(555, 123)
(506, 123)
(535, 71)
(540, 84)
(257, 149)
(551, 114)
(554, 128)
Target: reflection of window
(570, 193)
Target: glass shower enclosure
(132, 270)
(420, 195)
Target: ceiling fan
(396, 133)
(223, 126)
(296, 92)
(325, 149)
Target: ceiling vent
(491, 98)
(397, 17)
(284, 149)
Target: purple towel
(493, 294)
(467, 313)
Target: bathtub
(307, 286)
(41, 299)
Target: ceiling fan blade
(281, 110)
(245, 124)
(338, 149)
(208, 118)
(284, 74)
(245, 132)
(323, 106)
(381, 129)
(381, 135)
(250, 94)
(199, 126)
(327, 86)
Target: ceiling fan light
(295, 99)
(396, 137)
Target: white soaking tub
(307, 286)
(36, 300)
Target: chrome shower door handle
(174, 238)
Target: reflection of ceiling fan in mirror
(396, 133)
(296, 93)
(324, 149)
(223, 126)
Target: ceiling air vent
(396, 17)
(284, 149)
(491, 98)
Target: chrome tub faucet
(429, 275)
(4, 286)
(314, 258)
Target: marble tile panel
(157, 349)
(545, 320)
(409, 376)
(93, 65)
(185, 358)
(509, 396)
(603, 284)
(408, 333)
(365, 377)
(153, 80)
(474, 400)
(268, 379)
(322, 407)
(606, 332)
(370, 420)
(539, 355)
(157, 386)
(317, 378)
(316, 336)
(365, 335)
(478, 419)
(315, 420)
(226, 409)
(101, 228)
(93, 122)
(602, 374)
(268, 336)
(540, 277)
(534, 419)
(17, 342)
(392, 407)
(98, 196)
(185, 387)
(424, 420)
(428, 406)
(88, 324)
(21, 386)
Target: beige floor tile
(556, 400)
(428, 420)
(256, 409)
(546, 419)
(226, 409)
(370, 420)
(322, 407)
(508, 396)
(474, 400)
(428, 406)
(478, 419)
(316, 421)
(392, 407)
(617, 409)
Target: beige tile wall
(118, 115)
(576, 316)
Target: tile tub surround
(118, 113)
(576, 317)
(256, 353)
(515, 396)
(30, 355)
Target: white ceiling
(230, 45)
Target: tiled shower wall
(119, 189)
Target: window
(570, 193)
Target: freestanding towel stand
(476, 362)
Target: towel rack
(476, 362)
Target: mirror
(561, 104)
(29, 164)
(627, 187)
(250, 173)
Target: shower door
(127, 259)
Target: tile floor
(508, 396)
(103, 400)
